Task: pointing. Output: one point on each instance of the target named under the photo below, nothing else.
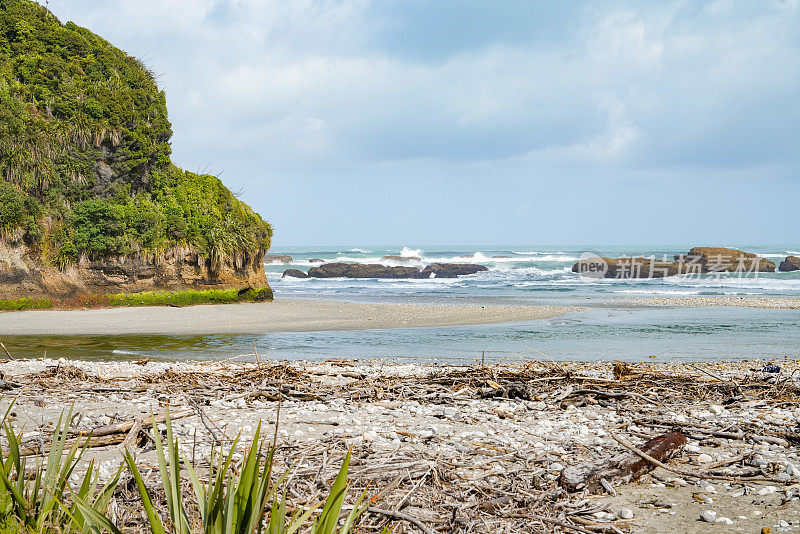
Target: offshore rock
(699, 260)
(631, 268)
(791, 263)
(450, 270)
(720, 259)
(360, 270)
(294, 273)
(375, 270)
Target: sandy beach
(277, 316)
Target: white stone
(716, 409)
(724, 520)
(625, 513)
(704, 458)
(767, 490)
(709, 516)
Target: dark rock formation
(719, 259)
(698, 260)
(360, 270)
(791, 263)
(450, 270)
(631, 268)
(294, 273)
(316, 260)
(374, 270)
(277, 258)
(403, 259)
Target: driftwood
(102, 436)
(623, 468)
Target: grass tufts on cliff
(85, 167)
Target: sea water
(613, 326)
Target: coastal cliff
(90, 201)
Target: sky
(410, 122)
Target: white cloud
(303, 85)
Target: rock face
(277, 258)
(294, 273)
(719, 259)
(450, 270)
(698, 260)
(23, 274)
(791, 263)
(374, 270)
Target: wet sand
(278, 316)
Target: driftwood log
(622, 468)
(101, 436)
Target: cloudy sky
(415, 122)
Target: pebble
(783, 524)
(716, 409)
(625, 513)
(724, 520)
(767, 490)
(677, 482)
(709, 516)
(704, 459)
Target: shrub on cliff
(85, 156)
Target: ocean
(611, 328)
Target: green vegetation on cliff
(85, 154)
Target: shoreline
(277, 316)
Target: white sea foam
(411, 252)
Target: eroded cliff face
(23, 274)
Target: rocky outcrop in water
(699, 260)
(402, 259)
(720, 259)
(361, 270)
(450, 270)
(375, 270)
(294, 273)
(791, 263)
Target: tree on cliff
(85, 163)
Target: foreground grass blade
(152, 517)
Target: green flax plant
(249, 502)
(34, 497)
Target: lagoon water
(610, 328)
